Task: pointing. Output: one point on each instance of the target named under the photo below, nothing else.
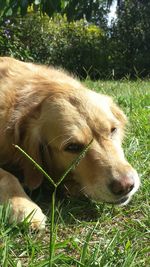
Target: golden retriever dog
(42, 107)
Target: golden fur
(45, 107)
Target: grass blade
(36, 165)
(86, 244)
(75, 163)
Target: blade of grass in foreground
(36, 165)
(56, 185)
(86, 244)
(75, 163)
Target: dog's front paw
(23, 208)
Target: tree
(75, 9)
(130, 39)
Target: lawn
(93, 234)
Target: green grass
(91, 234)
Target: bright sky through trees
(112, 14)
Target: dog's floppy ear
(28, 137)
(32, 176)
(40, 153)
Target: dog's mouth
(121, 202)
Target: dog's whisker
(82, 189)
(98, 160)
(54, 139)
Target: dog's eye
(74, 148)
(113, 130)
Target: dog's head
(68, 120)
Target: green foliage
(13, 7)
(90, 9)
(11, 43)
(130, 40)
(78, 46)
(85, 48)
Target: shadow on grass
(69, 210)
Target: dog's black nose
(121, 187)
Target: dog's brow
(65, 142)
